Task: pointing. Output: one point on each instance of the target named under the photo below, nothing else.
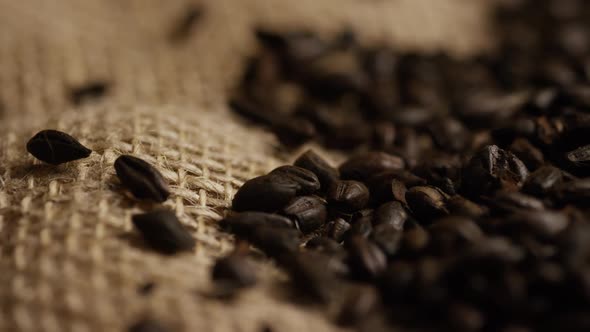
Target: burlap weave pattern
(69, 259)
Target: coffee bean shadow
(26, 170)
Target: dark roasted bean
(308, 212)
(55, 147)
(147, 325)
(461, 206)
(507, 202)
(236, 269)
(525, 151)
(543, 180)
(308, 182)
(449, 134)
(580, 157)
(185, 24)
(141, 179)
(577, 192)
(336, 229)
(362, 222)
(324, 245)
(163, 231)
(243, 224)
(361, 167)
(357, 305)
(545, 223)
(89, 91)
(309, 274)
(314, 163)
(387, 237)
(426, 203)
(392, 213)
(415, 240)
(366, 259)
(388, 186)
(348, 196)
(275, 241)
(491, 169)
(266, 193)
(461, 227)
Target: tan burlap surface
(69, 258)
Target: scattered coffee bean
(163, 231)
(88, 92)
(55, 147)
(308, 212)
(267, 193)
(141, 179)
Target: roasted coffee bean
(449, 134)
(336, 229)
(577, 192)
(308, 212)
(308, 182)
(387, 237)
(163, 231)
(388, 186)
(506, 202)
(366, 259)
(311, 161)
(392, 213)
(579, 157)
(491, 169)
(545, 223)
(267, 193)
(89, 91)
(358, 303)
(325, 245)
(147, 325)
(361, 167)
(461, 206)
(456, 227)
(236, 269)
(275, 241)
(362, 222)
(465, 318)
(542, 180)
(186, 23)
(55, 147)
(243, 224)
(415, 239)
(348, 196)
(531, 156)
(141, 179)
(426, 203)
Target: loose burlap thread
(69, 257)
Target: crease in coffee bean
(142, 179)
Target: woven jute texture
(69, 257)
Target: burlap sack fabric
(69, 258)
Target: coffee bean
(359, 302)
(577, 192)
(531, 156)
(449, 134)
(141, 179)
(89, 91)
(163, 231)
(579, 157)
(363, 166)
(392, 213)
(348, 196)
(491, 169)
(362, 222)
(310, 276)
(236, 269)
(336, 229)
(308, 212)
(325, 245)
(461, 206)
(366, 259)
(275, 241)
(55, 147)
(308, 182)
(545, 223)
(543, 180)
(506, 202)
(426, 203)
(387, 237)
(186, 23)
(147, 325)
(314, 163)
(461, 227)
(243, 224)
(267, 193)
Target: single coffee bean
(308, 182)
(361, 167)
(577, 192)
(426, 203)
(392, 213)
(147, 325)
(310, 276)
(491, 169)
(163, 231)
(507, 202)
(387, 237)
(461, 227)
(544, 223)
(543, 180)
(461, 206)
(389, 186)
(314, 163)
(348, 196)
(243, 224)
(275, 241)
(362, 222)
(449, 134)
(55, 147)
(308, 212)
(88, 92)
(336, 229)
(236, 269)
(141, 179)
(267, 193)
(186, 23)
(415, 240)
(366, 259)
(579, 157)
(531, 156)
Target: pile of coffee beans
(464, 203)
